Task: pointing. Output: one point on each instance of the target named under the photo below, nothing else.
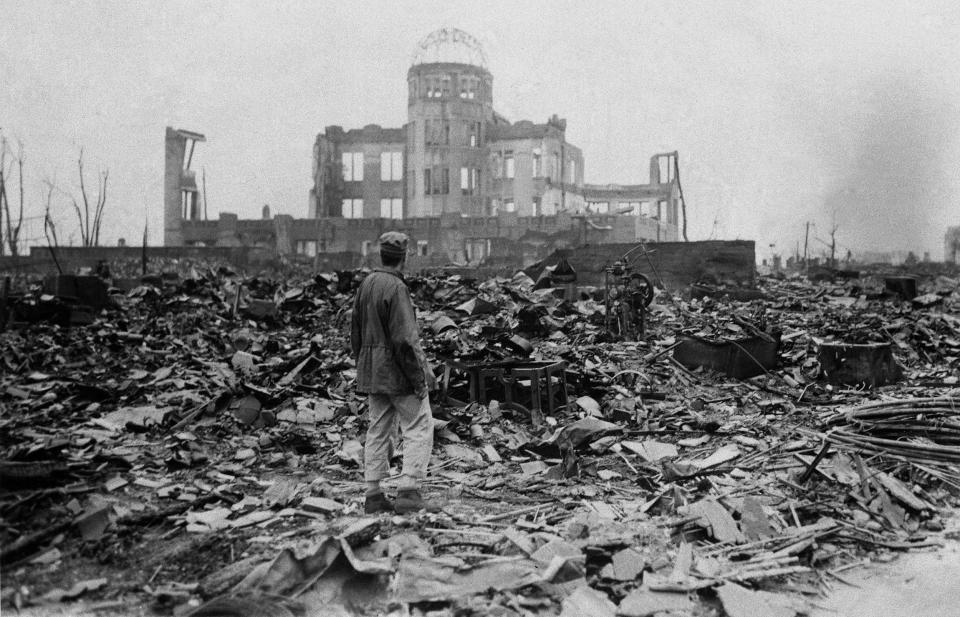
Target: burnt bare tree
(12, 231)
(49, 229)
(4, 206)
(91, 217)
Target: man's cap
(394, 243)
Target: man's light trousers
(416, 425)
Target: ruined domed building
(464, 182)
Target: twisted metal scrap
(918, 429)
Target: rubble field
(197, 449)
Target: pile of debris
(197, 450)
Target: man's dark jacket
(385, 339)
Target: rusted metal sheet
(903, 286)
(740, 358)
(88, 290)
(870, 364)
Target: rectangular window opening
(352, 208)
(476, 249)
(469, 181)
(473, 129)
(391, 208)
(391, 166)
(358, 166)
(307, 247)
(666, 169)
(347, 160)
(396, 165)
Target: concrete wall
(552, 184)
(509, 236)
(372, 189)
(951, 245)
(444, 239)
(679, 264)
(178, 181)
(447, 235)
(656, 231)
(330, 188)
(659, 200)
(174, 152)
(73, 258)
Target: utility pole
(1, 213)
(2, 187)
(833, 248)
(322, 210)
(3, 198)
(683, 201)
(806, 242)
(203, 179)
(143, 251)
(316, 252)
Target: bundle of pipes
(916, 429)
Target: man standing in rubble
(393, 371)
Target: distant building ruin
(951, 245)
(466, 184)
(181, 201)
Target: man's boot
(408, 500)
(376, 503)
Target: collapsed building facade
(464, 182)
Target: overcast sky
(783, 112)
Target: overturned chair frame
(546, 378)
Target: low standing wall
(679, 264)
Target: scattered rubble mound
(196, 449)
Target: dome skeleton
(454, 42)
